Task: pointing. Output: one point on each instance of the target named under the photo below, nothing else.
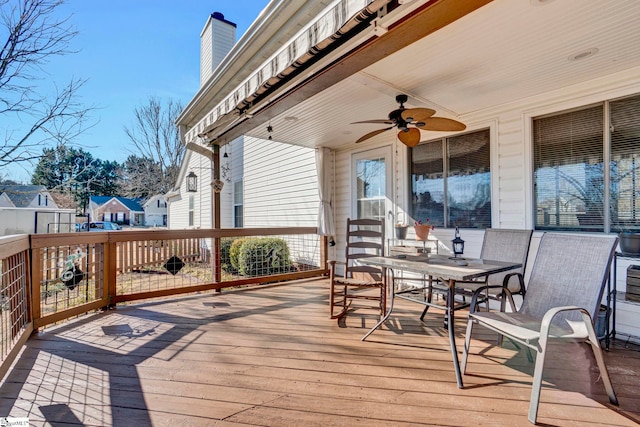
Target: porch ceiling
(503, 52)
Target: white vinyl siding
(206, 56)
(179, 207)
(280, 185)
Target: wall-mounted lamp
(192, 182)
(270, 129)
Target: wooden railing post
(36, 280)
(110, 263)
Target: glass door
(372, 185)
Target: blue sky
(130, 50)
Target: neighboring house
(26, 196)
(155, 211)
(5, 201)
(31, 209)
(117, 209)
(549, 92)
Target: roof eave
(275, 19)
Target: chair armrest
(332, 263)
(505, 281)
(474, 297)
(552, 312)
(332, 267)
(545, 324)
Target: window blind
(568, 170)
(451, 183)
(625, 159)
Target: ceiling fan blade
(409, 137)
(417, 114)
(380, 121)
(372, 134)
(442, 124)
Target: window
(451, 181)
(238, 210)
(625, 161)
(371, 183)
(573, 184)
(191, 212)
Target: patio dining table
(447, 270)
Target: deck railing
(48, 278)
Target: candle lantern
(192, 182)
(458, 244)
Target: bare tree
(141, 178)
(156, 138)
(33, 35)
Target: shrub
(225, 253)
(261, 256)
(234, 252)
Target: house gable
(5, 201)
(29, 196)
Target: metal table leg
(451, 328)
(614, 295)
(450, 321)
(389, 310)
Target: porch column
(215, 214)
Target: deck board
(271, 357)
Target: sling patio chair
(365, 238)
(498, 245)
(563, 297)
(501, 245)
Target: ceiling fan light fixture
(409, 122)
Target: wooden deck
(271, 357)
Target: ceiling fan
(409, 121)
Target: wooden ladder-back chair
(365, 238)
(562, 300)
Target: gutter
(290, 62)
(236, 64)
